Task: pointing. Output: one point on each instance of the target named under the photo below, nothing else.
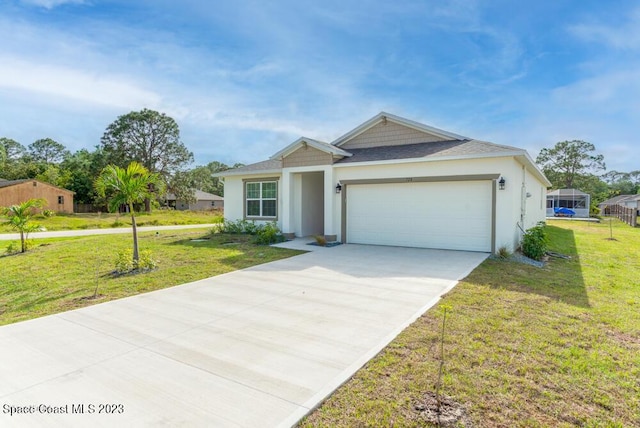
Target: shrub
(534, 242)
(48, 213)
(503, 252)
(238, 227)
(146, 261)
(320, 240)
(124, 261)
(268, 234)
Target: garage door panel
(448, 215)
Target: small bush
(146, 262)
(48, 213)
(503, 253)
(268, 234)
(238, 227)
(320, 240)
(534, 242)
(124, 261)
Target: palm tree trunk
(135, 234)
(22, 241)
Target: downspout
(523, 204)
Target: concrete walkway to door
(257, 347)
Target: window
(549, 203)
(261, 199)
(61, 200)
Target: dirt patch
(89, 298)
(452, 413)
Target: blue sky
(245, 78)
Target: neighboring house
(13, 192)
(577, 201)
(204, 201)
(393, 181)
(628, 201)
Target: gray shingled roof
(425, 150)
(254, 168)
(616, 199)
(7, 183)
(408, 151)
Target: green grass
(61, 274)
(108, 220)
(557, 346)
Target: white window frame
(261, 199)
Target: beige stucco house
(13, 192)
(204, 202)
(393, 181)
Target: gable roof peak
(383, 117)
(309, 142)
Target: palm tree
(19, 216)
(127, 187)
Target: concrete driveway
(257, 347)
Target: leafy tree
(183, 187)
(19, 217)
(622, 183)
(147, 137)
(55, 175)
(127, 187)
(12, 148)
(568, 160)
(11, 159)
(83, 166)
(3, 160)
(47, 151)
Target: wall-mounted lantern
(501, 183)
(338, 188)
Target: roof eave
(230, 173)
(429, 159)
(323, 147)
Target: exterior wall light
(501, 183)
(338, 188)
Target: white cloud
(50, 4)
(77, 84)
(625, 35)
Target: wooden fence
(628, 215)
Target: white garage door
(453, 215)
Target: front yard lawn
(61, 274)
(63, 221)
(557, 346)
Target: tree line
(148, 137)
(576, 164)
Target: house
(13, 192)
(204, 201)
(627, 201)
(577, 201)
(393, 181)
